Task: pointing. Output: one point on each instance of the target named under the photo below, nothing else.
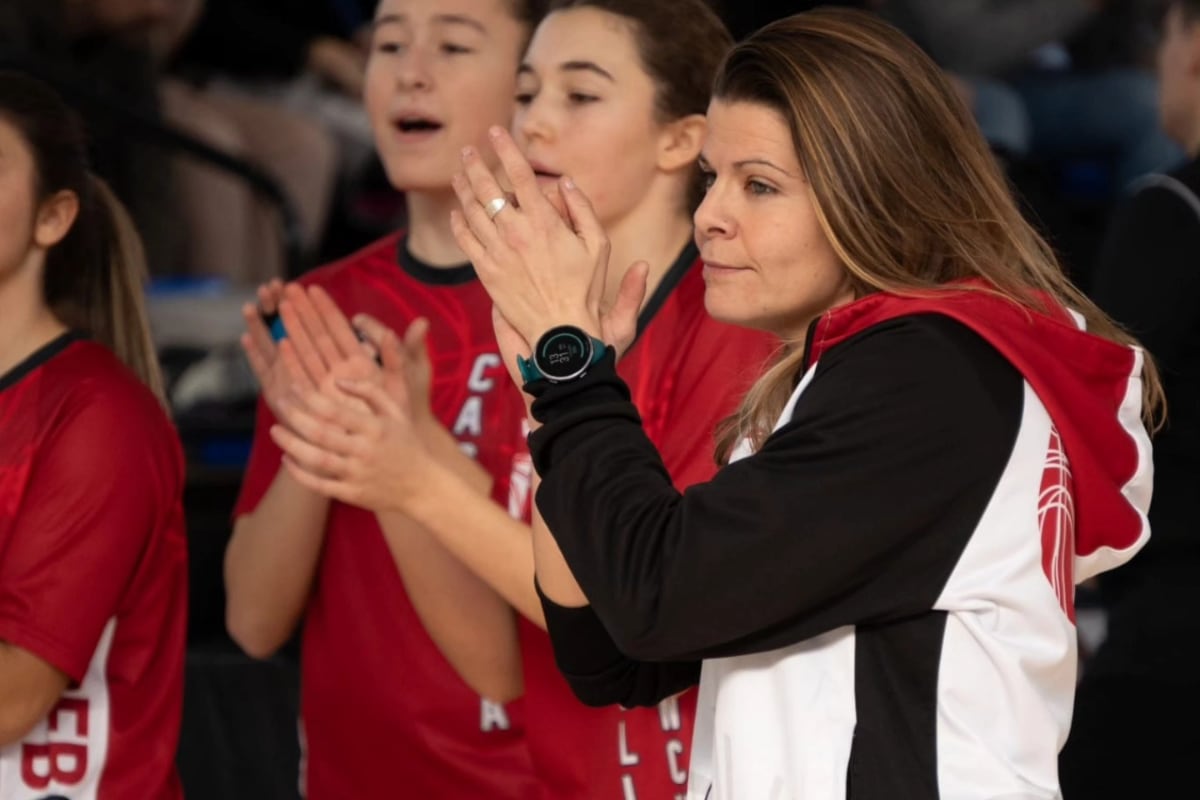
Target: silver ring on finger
(495, 206)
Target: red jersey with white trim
(93, 574)
(686, 373)
(383, 713)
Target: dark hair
(681, 44)
(529, 12)
(93, 277)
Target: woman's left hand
(540, 269)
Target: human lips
(416, 124)
(717, 268)
(543, 172)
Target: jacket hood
(1091, 387)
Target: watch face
(563, 353)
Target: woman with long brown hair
(93, 571)
(876, 592)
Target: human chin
(727, 305)
(408, 172)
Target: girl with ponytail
(92, 549)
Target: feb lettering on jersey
(64, 755)
(56, 759)
(633, 757)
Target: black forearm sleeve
(598, 672)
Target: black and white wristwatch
(562, 354)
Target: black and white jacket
(878, 603)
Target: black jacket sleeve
(598, 672)
(854, 512)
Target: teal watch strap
(530, 371)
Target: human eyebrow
(442, 19)
(387, 19)
(761, 162)
(587, 66)
(461, 19)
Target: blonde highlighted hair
(112, 308)
(906, 190)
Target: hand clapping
(345, 420)
(540, 269)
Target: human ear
(55, 217)
(681, 141)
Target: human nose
(712, 218)
(532, 123)
(414, 70)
